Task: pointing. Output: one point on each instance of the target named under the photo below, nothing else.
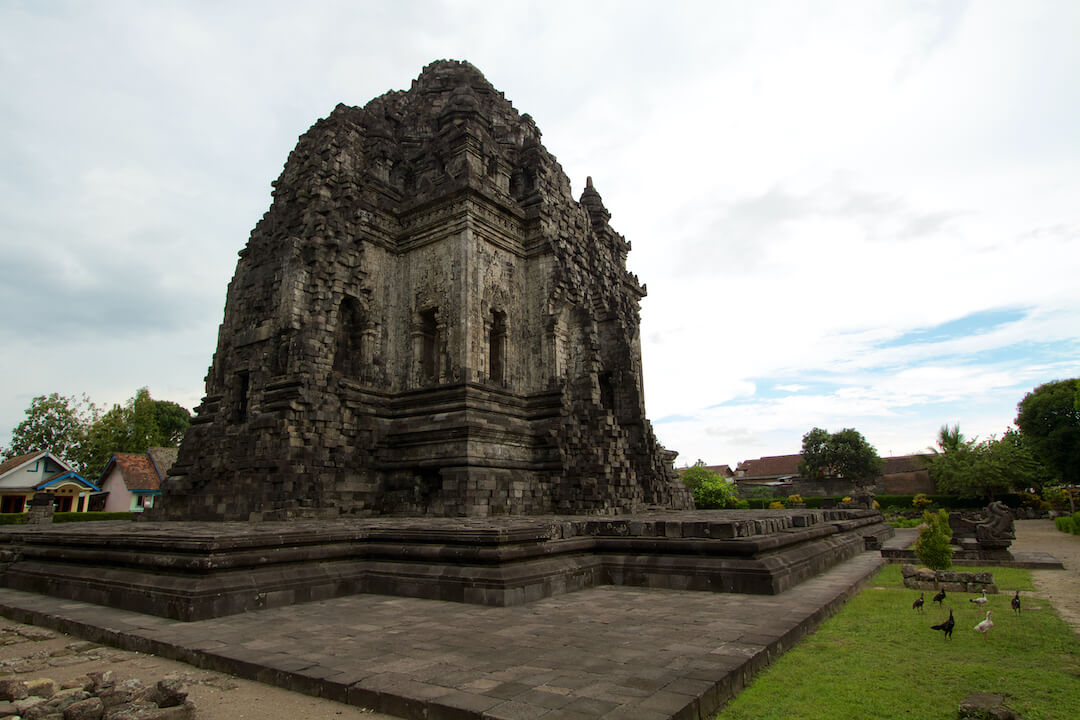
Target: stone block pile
(94, 696)
(949, 580)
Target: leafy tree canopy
(844, 454)
(79, 432)
(136, 426)
(710, 489)
(1049, 420)
(970, 468)
(57, 423)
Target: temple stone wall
(425, 321)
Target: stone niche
(426, 322)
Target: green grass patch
(879, 658)
(1068, 523)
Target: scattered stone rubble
(426, 322)
(95, 695)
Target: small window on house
(12, 504)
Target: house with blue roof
(41, 471)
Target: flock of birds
(947, 627)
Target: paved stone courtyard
(610, 652)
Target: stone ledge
(214, 570)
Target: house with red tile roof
(901, 475)
(772, 470)
(133, 480)
(23, 476)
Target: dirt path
(28, 652)
(1060, 587)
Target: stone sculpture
(426, 322)
(997, 531)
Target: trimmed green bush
(1068, 523)
(714, 493)
(13, 518)
(932, 546)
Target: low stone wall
(949, 580)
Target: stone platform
(607, 653)
(196, 571)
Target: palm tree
(951, 439)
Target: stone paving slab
(609, 652)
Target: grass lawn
(878, 658)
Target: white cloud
(803, 187)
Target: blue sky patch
(977, 323)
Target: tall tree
(57, 423)
(76, 430)
(138, 425)
(1049, 419)
(844, 454)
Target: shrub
(759, 496)
(13, 518)
(742, 504)
(714, 492)
(1068, 523)
(794, 499)
(921, 502)
(1033, 501)
(776, 505)
(1057, 496)
(944, 501)
(932, 546)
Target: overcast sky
(848, 214)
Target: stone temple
(426, 322)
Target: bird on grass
(1016, 602)
(985, 625)
(980, 601)
(940, 596)
(947, 626)
(917, 605)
